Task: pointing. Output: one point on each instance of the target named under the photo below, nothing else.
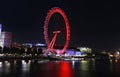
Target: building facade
(85, 50)
(5, 39)
(0, 28)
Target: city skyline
(93, 24)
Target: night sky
(93, 23)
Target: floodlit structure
(5, 39)
(85, 50)
(51, 43)
(40, 44)
(0, 28)
(69, 52)
(31, 45)
(73, 52)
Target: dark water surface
(31, 68)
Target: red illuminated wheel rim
(67, 27)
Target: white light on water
(26, 65)
(0, 64)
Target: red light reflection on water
(58, 69)
(65, 69)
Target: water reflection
(65, 69)
(58, 69)
(84, 68)
(26, 65)
(6, 66)
(102, 68)
(38, 68)
(13, 68)
(116, 68)
(1, 66)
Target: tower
(0, 28)
(5, 38)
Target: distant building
(85, 50)
(33, 45)
(27, 45)
(5, 39)
(40, 44)
(70, 51)
(73, 52)
(0, 28)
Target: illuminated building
(5, 39)
(31, 45)
(40, 44)
(0, 28)
(73, 52)
(27, 45)
(85, 50)
(70, 52)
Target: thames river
(46, 68)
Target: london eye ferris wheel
(56, 30)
